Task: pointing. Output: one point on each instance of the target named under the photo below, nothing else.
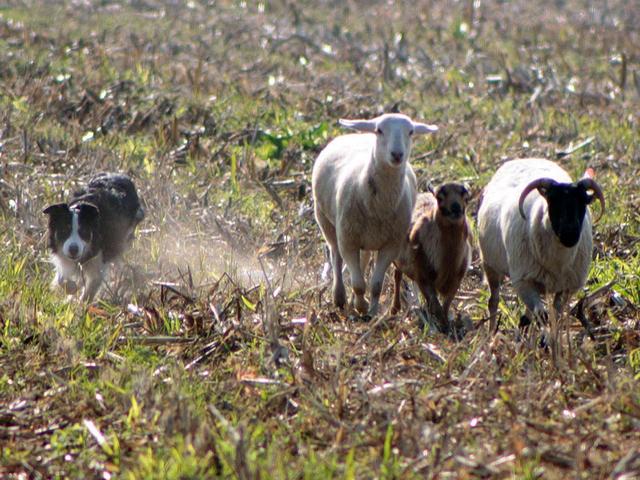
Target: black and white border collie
(91, 231)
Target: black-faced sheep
(534, 226)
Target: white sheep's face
(393, 140)
(394, 132)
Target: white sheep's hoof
(326, 272)
(361, 305)
(339, 297)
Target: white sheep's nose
(397, 156)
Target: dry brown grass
(215, 350)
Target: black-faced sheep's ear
(589, 198)
(589, 184)
(546, 185)
(56, 209)
(430, 188)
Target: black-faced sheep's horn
(591, 184)
(539, 183)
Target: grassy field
(214, 350)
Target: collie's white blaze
(74, 241)
(65, 268)
(67, 273)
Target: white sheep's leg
(352, 259)
(339, 294)
(365, 256)
(385, 257)
(494, 279)
(530, 296)
(329, 233)
(93, 272)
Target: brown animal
(437, 252)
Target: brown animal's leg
(397, 287)
(494, 279)
(433, 304)
(448, 299)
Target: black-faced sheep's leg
(93, 272)
(383, 260)
(530, 296)
(557, 323)
(397, 288)
(559, 301)
(352, 259)
(493, 279)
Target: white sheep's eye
(411, 133)
(378, 131)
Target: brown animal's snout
(452, 200)
(457, 210)
(454, 211)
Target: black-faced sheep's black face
(452, 201)
(567, 205)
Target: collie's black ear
(56, 209)
(88, 212)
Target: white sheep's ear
(422, 128)
(360, 125)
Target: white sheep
(364, 190)
(533, 225)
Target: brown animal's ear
(56, 209)
(464, 192)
